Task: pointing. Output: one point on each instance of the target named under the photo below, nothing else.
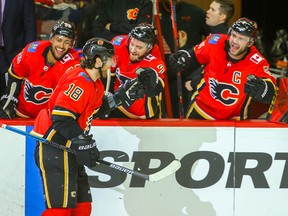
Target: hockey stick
(156, 22)
(168, 170)
(10, 97)
(108, 80)
(176, 43)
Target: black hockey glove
(255, 87)
(9, 101)
(87, 152)
(149, 79)
(180, 60)
(127, 93)
(8, 107)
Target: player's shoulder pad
(85, 76)
(214, 38)
(117, 41)
(32, 47)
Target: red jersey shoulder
(70, 60)
(256, 57)
(31, 51)
(212, 40)
(77, 75)
(37, 46)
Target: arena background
(228, 169)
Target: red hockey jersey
(39, 79)
(142, 108)
(220, 94)
(77, 95)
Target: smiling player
(235, 73)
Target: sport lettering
(236, 164)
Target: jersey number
(74, 92)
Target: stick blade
(168, 170)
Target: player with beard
(36, 70)
(67, 121)
(217, 17)
(235, 73)
(139, 56)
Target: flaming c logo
(132, 14)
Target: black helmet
(245, 27)
(64, 28)
(98, 47)
(145, 32)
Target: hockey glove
(255, 87)
(127, 93)
(87, 152)
(149, 79)
(180, 60)
(8, 107)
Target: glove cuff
(265, 90)
(185, 51)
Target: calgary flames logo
(132, 14)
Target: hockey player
(134, 51)
(36, 70)
(217, 17)
(66, 121)
(235, 73)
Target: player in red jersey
(36, 70)
(77, 98)
(235, 73)
(134, 51)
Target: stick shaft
(157, 23)
(176, 47)
(56, 145)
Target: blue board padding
(34, 199)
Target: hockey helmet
(64, 28)
(145, 32)
(245, 27)
(98, 47)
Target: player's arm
(125, 96)
(192, 58)
(68, 109)
(183, 59)
(101, 19)
(64, 121)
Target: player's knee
(82, 209)
(57, 212)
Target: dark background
(270, 15)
